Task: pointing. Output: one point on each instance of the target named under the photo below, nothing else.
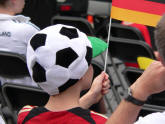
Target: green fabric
(98, 45)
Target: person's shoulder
(24, 21)
(26, 108)
(153, 118)
(99, 118)
(99, 114)
(23, 113)
(23, 28)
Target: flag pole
(108, 40)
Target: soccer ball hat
(58, 56)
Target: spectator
(152, 81)
(21, 28)
(66, 78)
(15, 32)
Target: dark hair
(3, 2)
(160, 37)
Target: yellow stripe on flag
(134, 16)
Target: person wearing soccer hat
(59, 61)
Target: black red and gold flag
(147, 12)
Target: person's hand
(150, 82)
(100, 87)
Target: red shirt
(40, 115)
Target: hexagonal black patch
(65, 57)
(69, 32)
(39, 74)
(68, 84)
(88, 56)
(38, 40)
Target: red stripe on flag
(141, 5)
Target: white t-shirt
(15, 32)
(1, 120)
(154, 118)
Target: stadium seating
(16, 96)
(79, 22)
(12, 65)
(123, 31)
(127, 51)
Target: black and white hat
(58, 56)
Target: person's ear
(86, 75)
(82, 78)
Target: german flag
(147, 12)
